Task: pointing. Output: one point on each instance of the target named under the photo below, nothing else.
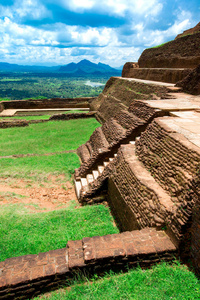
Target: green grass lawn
(22, 233)
(162, 282)
(47, 137)
(39, 167)
(42, 117)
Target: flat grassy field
(42, 117)
(23, 233)
(54, 136)
(162, 282)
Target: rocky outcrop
(128, 66)
(169, 75)
(191, 83)
(189, 31)
(180, 53)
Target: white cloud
(114, 7)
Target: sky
(58, 32)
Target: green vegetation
(160, 45)
(40, 117)
(47, 137)
(39, 167)
(43, 117)
(23, 233)
(162, 282)
(16, 86)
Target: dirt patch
(51, 194)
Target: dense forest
(17, 86)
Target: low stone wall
(48, 103)
(27, 276)
(163, 75)
(13, 123)
(71, 116)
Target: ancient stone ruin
(145, 162)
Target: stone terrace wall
(136, 199)
(180, 53)
(125, 91)
(47, 103)
(123, 118)
(195, 231)
(174, 162)
(157, 74)
(13, 123)
(27, 276)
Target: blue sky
(51, 32)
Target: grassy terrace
(22, 232)
(47, 137)
(162, 282)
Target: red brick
(115, 244)
(20, 278)
(130, 249)
(42, 259)
(2, 264)
(119, 253)
(62, 269)
(49, 270)
(107, 238)
(104, 254)
(10, 262)
(74, 244)
(89, 254)
(86, 239)
(61, 260)
(76, 263)
(146, 249)
(5, 278)
(164, 245)
(20, 268)
(37, 272)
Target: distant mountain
(88, 67)
(83, 68)
(6, 67)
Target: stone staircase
(92, 182)
(84, 184)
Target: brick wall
(27, 276)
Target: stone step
(132, 142)
(78, 187)
(84, 182)
(89, 178)
(95, 174)
(100, 169)
(111, 159)
(105, 163)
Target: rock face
(191, 83)
(180, 53)
(189, 31)
(129, 66)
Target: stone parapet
(157, 74)
(27, 276)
